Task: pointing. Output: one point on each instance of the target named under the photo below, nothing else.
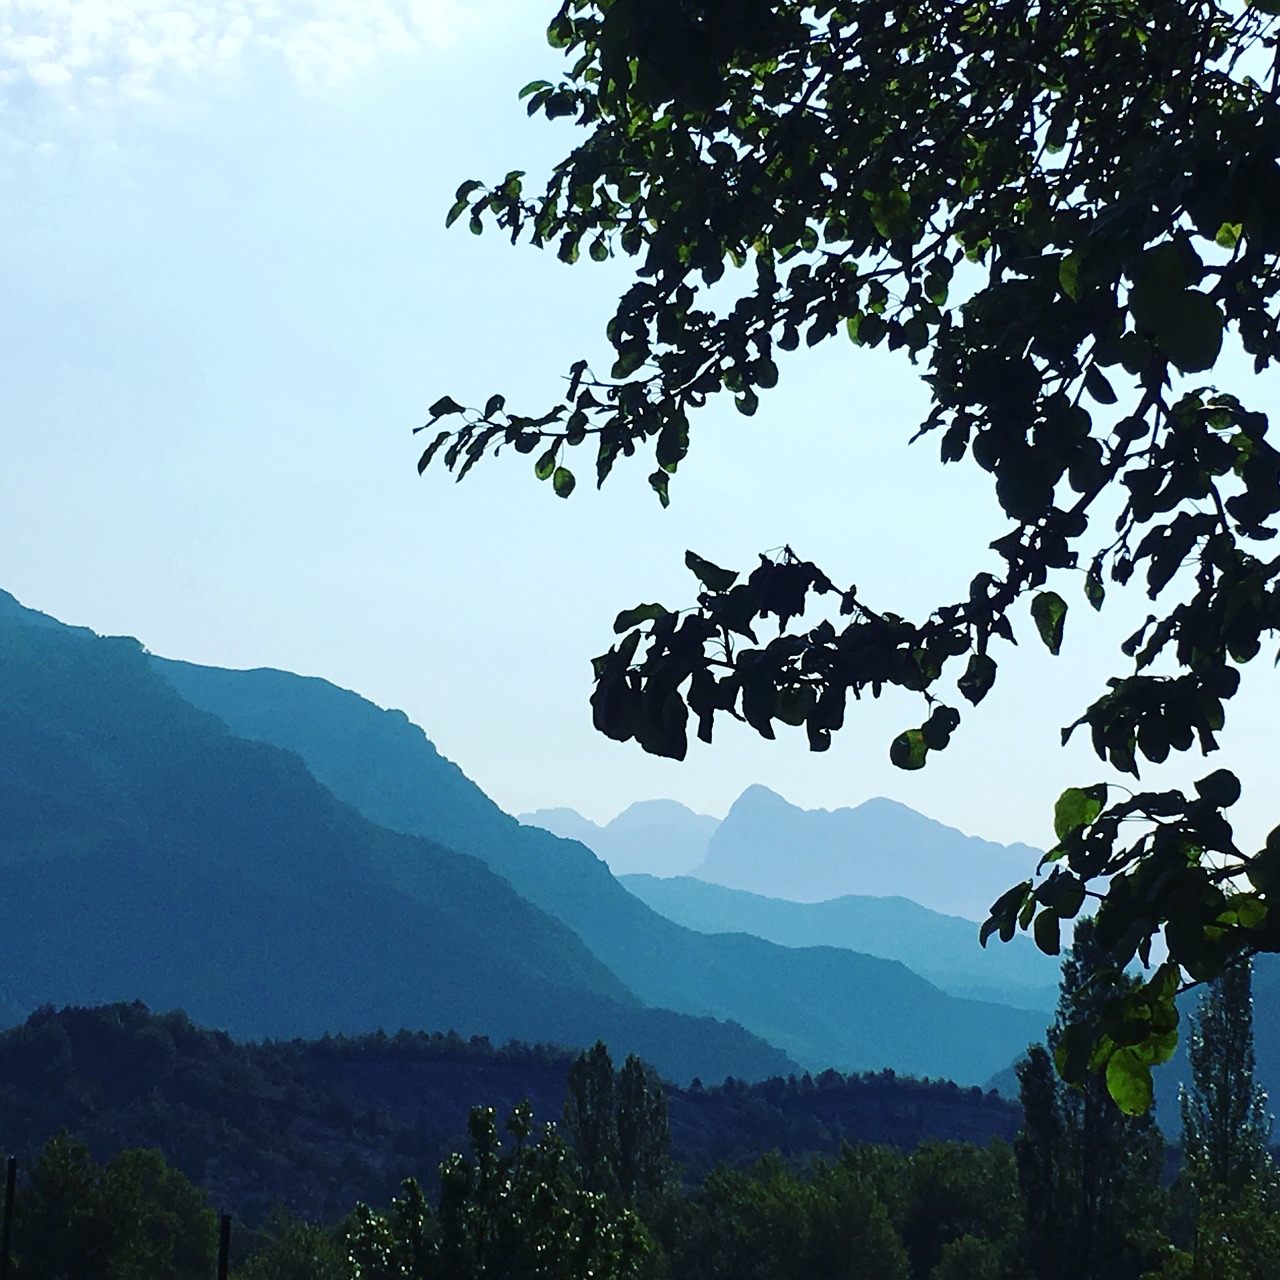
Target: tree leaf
(908, 750)
(444, 407)
(1077, 807)
(1190, 333)
(1220, 789)
(1129, 1081)
(1096, 384)
(1046, 932)
(711, 576)
(546, 464)
(562, 481)
(629, 618)
(978, 678)
(431, 450)
(1048, 611)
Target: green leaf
(1129, 1081)
(562, 481)
(546, 464)
(1077, 807)
(461, 199)
(978, 678)
(1069, 275)
(1094, 591)
(494, 405)
(1229, 235)
(1048, 611)
(629, 618)
(710, 575)
(908, 750)
(1063, 893)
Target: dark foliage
(317, 1125)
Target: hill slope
(825, 1007)
(148, 853)
(943, 949)
(318, 1125)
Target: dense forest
(316, 1125)
(357, 1159)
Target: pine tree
(1089, 1174)
(1226, 1131)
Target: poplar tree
(1089, 1173)
(1226, 1130)
(617, 1125)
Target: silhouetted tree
(1089, 1174)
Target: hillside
(944, 949)
(319, 1124)
(148, 853)
(824, 1007)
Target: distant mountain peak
(879, 848)
(645, 813)
(660, 837)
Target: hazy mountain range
(769, 847)
(146, 852)
(940, 948)
(823, 1006)
(654, 837)
(281, 857)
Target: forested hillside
(316, 1125)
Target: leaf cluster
(1065, 213)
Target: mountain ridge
(942, 949)
(879, 848)
(824, 1007)
(147, 852)
(661, 837)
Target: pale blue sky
(229, 296)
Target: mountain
(944, 949)
(146, 852)
(825, 1007)
(881, 849)
(658, 837)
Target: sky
(228, 298)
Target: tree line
(1084, 1191)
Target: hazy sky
(228, 297)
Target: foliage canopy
(1067, 212)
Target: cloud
(79, 55)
